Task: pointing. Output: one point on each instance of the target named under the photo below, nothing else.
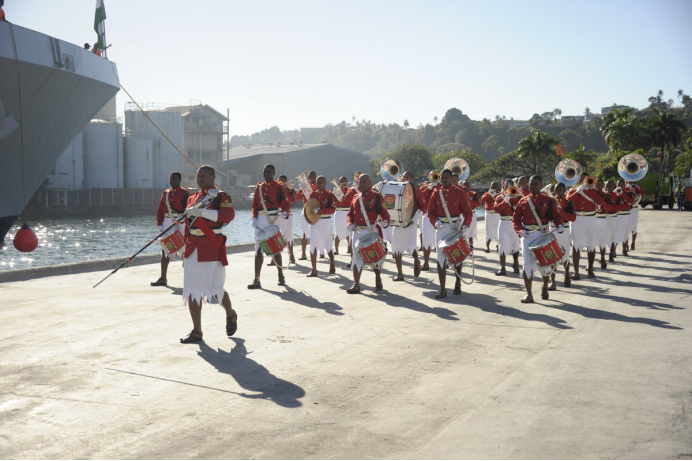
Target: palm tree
(435, 117)
(537, 150)
(587, 113)
(623, 130)
(406, 125)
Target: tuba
(632, 167)
(391, 169)
(567, 172)
(434, 176)
(458, 166)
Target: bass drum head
(540, 242)
(367, 239)
(399, 197)
(267, 232)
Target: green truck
(667, 193)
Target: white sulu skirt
(492, 226)
(611, 230)
(202, 280)
(473, 228)
(584, 233)
(322, 236)
(340, 224)
(634, 220)
(530, 264)
(387, 233)
(304, 227)
(428, 232)
(602, 235)
(564, 240)
(621, 234)
(508, 240)
(405, 239)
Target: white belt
(269, 212)
(444, 219)
(623, 213)
(490, 211)
(585, 213)
(342, 209)
(327, 216)
(506, 218)
(362, 227)
(199, 233)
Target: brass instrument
(337, 189)
(618, 190)
(567, 172)
(434, 176)
(290, 184)
(304, 184)
(632, 167)
(458, 166)
(391, 168)
(547, 190)
(589, 181)
(512, 191)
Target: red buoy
(25, 240)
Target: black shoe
(232, 324)
(457, 289)
(193, 337)
(254, 285)
(282, 281)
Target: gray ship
(62, 87)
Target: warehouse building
(245, 164)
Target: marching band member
(475, 201)
(304, 225)
(321, 237)
(523, 185)
(291, 195)
(364, 211)
(611, 220)
(639, 193)
(427, 229)
(565, 208)
(353, 191)
(492, 218)
(529, 228)
(449, 210)
(508, 241)
(406, 238)
(602, 232)
(586, 201)
(205, 258)
(342, 206)
(269, 205)
(626, 200)
(171, 207)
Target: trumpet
(458, 166)
(391, 168)
(512, 191)
(589, 181)
(632, 167)
(434, 176)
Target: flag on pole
(559, 150)
(99, 25)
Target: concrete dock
(601, 370)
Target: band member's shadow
(664, 257)
(252, 376)
(304, 299)
(175, 290)
(603, 294)
(488, 303)
(395, 300)
(648, 287)
(590, 313)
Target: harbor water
(74, 240)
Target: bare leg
(568, 280)
(634, 239)
(291, 258)
(442, 276)
(426, 258)
(348, 244)
(613, 248)
(503, 270)
(279, 263)
(416, 264)
(332, 268)
(591, 255)
(399, 270)
(515, 264)
(553, 285)
(575, 260)
(259, 259)
(165, 260)
(487, 246)
(226, 304)
(313, 260)
(378, 280)
(527, 284)
(303, 245)
(336, 244)
(625, 247)
(196, 314)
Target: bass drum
(399, 197)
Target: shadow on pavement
(304, 299)
(252, 376)
(395, 300)
(590, 313)
(490, 304)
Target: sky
(296, 64)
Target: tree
(587, 159)
(428, 135)
(416, 158)
(454, 115)
(658, 103)
(587, 113)
(570, 139)
(435, 119)
(666, 133)
(406, 124)
(623, 130)
(537, 151)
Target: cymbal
(309, 211)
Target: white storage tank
(103, 154)
(139, 163)
(166, 158)
(68, 173)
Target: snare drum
(547, 251)
(399, 197)
(270, 240)
(173, 242)
(455, 248)
(371, 248)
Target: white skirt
(602, 235)
(621, 234)
(340, 224)
(564, 240)
(387, 233)
(428, 232)
(405, 239)
(321, 236)
(584, 233)
(304, 226)
(508, 239)
(492, 226)
(263, 222)
(634, 220)
(473, 228)
(530, 263)
(440, 234)
(289, 229)
(202, 280)
(611, 230)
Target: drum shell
(399, 197)
(546, 250)
(372, 252)
(273, 243)
(173, 242)
(457, 250)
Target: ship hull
(62, 87)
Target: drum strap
(173, 216)
(362, 210)
(535, 214)
(264, 206)
(444, 205)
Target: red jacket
(327, 201)
(488, 201)
(425, 192)
(626, 199)
(345, 202)
(177, 199)
(615, 203)
(274, 198)
(607, 204)
(504, 208)
(525, 192)
(474, 198)
(374, 208)
(208, 250)
(301, 195)
(582, 204)
(566, 209)
(546, 208)
(457, 203)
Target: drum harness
(271, 223)
(541, 227)
(368, 225)
(473, 258)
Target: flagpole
(105, 46)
